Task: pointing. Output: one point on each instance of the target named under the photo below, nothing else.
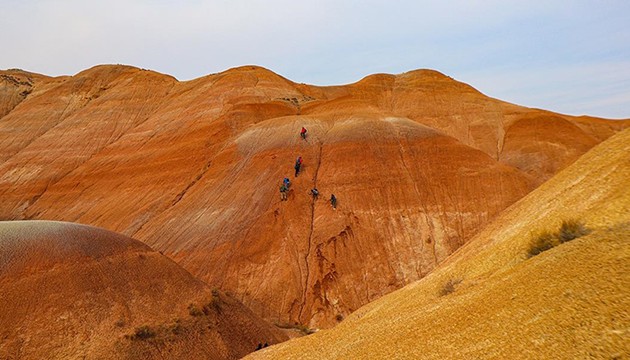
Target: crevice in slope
(310, 234)
(179, 196)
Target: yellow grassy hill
(490, 300)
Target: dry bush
(572, 229)
(543, 242)
(449, 287)
(214, 303)
(569, 230)
(144, 332)
(193, 310)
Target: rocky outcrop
(418, 161)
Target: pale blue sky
(571, 57)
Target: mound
(418, 161)
(492, 300)
(74, 291)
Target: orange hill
(490, 300)
(74, 291)
(419, 163)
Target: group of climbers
(286, 183)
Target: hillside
(418, 161)
(79, 292)
(491, 300)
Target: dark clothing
(315, 193)
(297, 169)
(333, 201)
(303, 133)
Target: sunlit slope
(71, 291)
(569, 302)
(419, 162)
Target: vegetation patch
(449, 287)
(545, 240)
(572, 229)
(157, 333)
(305, 330)
(193, 310)
(143, 333)
(213, 305)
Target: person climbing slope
(283, 192)
(315, 193)
(286, 182)
(303, 133)
(298, 165)
(333, 201)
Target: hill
(493, 299)
(75, 291)
(419, 163)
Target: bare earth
(71, 291)
(420, 163)
(570, 302)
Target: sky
(571, 57)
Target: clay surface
(419, 164)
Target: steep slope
(419, 162)
(73, 291)
(490, 300)
(62, 126)
(400, 191)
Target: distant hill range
(419, 164)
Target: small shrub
(305, 329)
(144, 332)
(193, 310)
(449, 287)
(571, 229)
(543, 242)
(176, 328)
(214, 304)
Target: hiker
(298, 165)
(315, 193)
(286, 182)
(333, 201)
(283, 192)
(303, 133)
